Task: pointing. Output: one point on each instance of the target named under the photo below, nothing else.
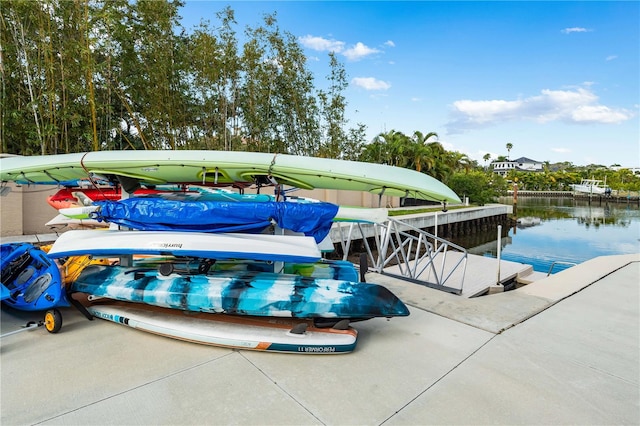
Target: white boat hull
(286, 248)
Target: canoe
(249, 293)
(311, 219)
(61, 221)
(30, 280)
(225, 168)
(95, 210)
(285, 248)
(331, 269)
(70, 197)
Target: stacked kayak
(210, 266)
(30, 280)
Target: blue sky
(560, 81)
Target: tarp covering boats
(311, 219)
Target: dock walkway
(563, 350)
(479, 277)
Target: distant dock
(615, 197)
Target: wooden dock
(479, 278)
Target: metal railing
(559, 262)
(409, 253)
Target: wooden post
(499, 251)
(515, 197)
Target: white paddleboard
(286, 248)
(262, 334)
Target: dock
(480, 275)
(562, 350)
(620, 197)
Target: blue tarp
(312, 219)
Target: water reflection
(564, 230)
(527, 221)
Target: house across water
(522, 164)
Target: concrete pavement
(562, 350)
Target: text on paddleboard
(165, 245)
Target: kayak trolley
(52, 322)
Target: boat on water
(591, 186)
(527, 221)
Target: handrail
(559, 262)
(416, 254)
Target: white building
(522, 164)
(634, 170)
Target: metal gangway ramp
(407, 252)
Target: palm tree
(509, 146)
(486, 158)
(389, 147)
(421, 151)
(442, 163)
(461, 161)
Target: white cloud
(611, 57)
(574, 106)
(561, 150)
(321, 44)
(575, 30)
(359, 51)
(353, 53)
(370, 83)
(416, 99)
(599, 114)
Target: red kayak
(65, 197)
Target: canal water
(562, 230)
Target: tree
(279, 111)
(509, 146)
(421, 151)
(392, 147)
(337, 143)
(486, 158)
(216, 79)
(476, 185)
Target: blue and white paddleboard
(239, 332)
(242, 293)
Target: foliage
(114, 74)
(622, 179)
(421, 152)
(480, 187)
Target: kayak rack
(398, 249)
